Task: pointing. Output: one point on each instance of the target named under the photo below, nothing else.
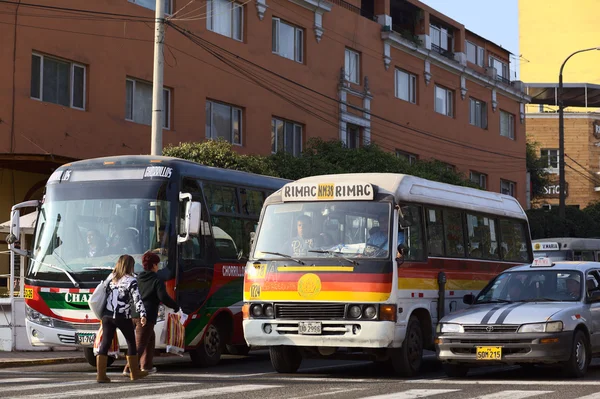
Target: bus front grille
(310, 311)
(65, 325)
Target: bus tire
(88, 353)
(285, 359)
(407, 360)
(208, 353)
(238, 350)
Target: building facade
(266, 75)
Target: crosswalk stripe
(334, 392)
(592, 396)
(48, 385)
(111, 388)
(17, 380)
(513, 394)
(413, 393)
(498, 382)
(205, 392)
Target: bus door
(195, 271)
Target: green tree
(536, 166)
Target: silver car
(540, 313)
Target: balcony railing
(408, 35)
(503, 79)
(445, 53)
(353, 8)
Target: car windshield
(533, 286)
(325, 229)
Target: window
(57, 81)
(477, 113)
(286, 136)
(444, 99)
(410, 158)
(251, 201)
(352, 66)
(550, 157)
(479, 178)
(220, 199)
(514, 240)
(406, 86)
(151, 4)
(412, 232)
(500, 67)
(454, 234)
(435, 232)
(507, 125)
(475, 53)
(482, 237)
(223, 121)
(441, 38)
(508, 187)
(138, 103)
(225, 18)
(352, 136)
(288, 40)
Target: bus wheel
(407, 359)
(238, 350)
(88, 353)
(208, 352)
(285, 359)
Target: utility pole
(157, 80)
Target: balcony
(503, 79)
(446, 53)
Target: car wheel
(88, 353)
(455, 370)
(407, 360)
(208, 352)
(577, 364)
(285, 359)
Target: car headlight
(449, 328)
(553, 326)
(162, 312)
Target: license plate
(85, 338)
(489, 352)
(309, 327)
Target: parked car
(539, 313)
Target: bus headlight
(370, 312)
(262, 310)
(256, 310)
(354, 312)
(38, 318)
(268, 310)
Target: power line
(582, 167)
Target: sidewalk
(36, 358)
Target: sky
(495, 21)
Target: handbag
(97, 301)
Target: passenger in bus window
(305, 239)
(96, 245)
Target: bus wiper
(336, 254)
(98, 268)
(284, 256)
(75, 283)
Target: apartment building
(266, 75)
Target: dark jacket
(153, 292)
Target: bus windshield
(83, 229)
(325, 229)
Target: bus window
(412, 232)
(454, 234)
(251, 201)
(229, 241)
(514, 240)
(583, 256)
(483, 243)
(435, 232)
(220, 199)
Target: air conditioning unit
(491, 72)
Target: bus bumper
(40, 335)
(347, 334)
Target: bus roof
(407, 188)
(571, 243)
(184, 166)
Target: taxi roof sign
(328, 191)
(546, 246)
(542, 262)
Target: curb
(41, 362)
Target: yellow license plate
(489, 352)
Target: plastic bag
(113, 349)
(173, 334)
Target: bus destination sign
(327, 191)
(546, 246)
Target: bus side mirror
(15, 228)
(191, 218)
(195, 218)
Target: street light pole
(561, 136)
(157, 80)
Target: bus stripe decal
(489, 314)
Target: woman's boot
(101, 368)
(134, 368)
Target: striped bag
(113, 349)
(174, 334)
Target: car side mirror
(594, 296)
(469, 299)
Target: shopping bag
(113, 349)
(97, 301)
(173, 334)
